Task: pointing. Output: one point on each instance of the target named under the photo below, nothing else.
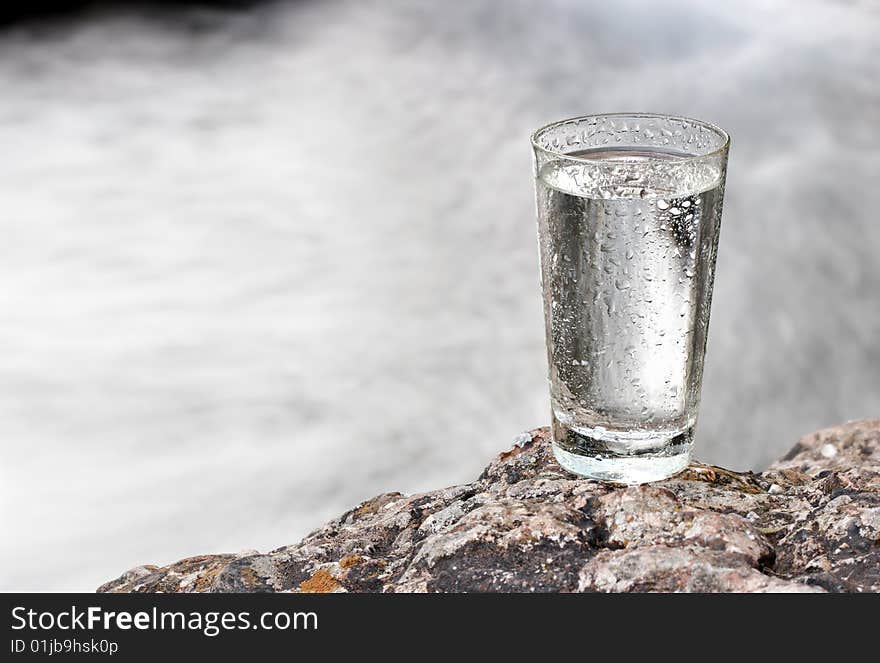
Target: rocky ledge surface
(810, 523)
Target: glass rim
(721, 133)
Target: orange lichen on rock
(321, 582)
(206, 580)
(349, 561)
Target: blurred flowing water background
(258, 265)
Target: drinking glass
(629, 210)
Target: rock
(810, 523)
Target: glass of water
(629, 210)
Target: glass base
(630, 457)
